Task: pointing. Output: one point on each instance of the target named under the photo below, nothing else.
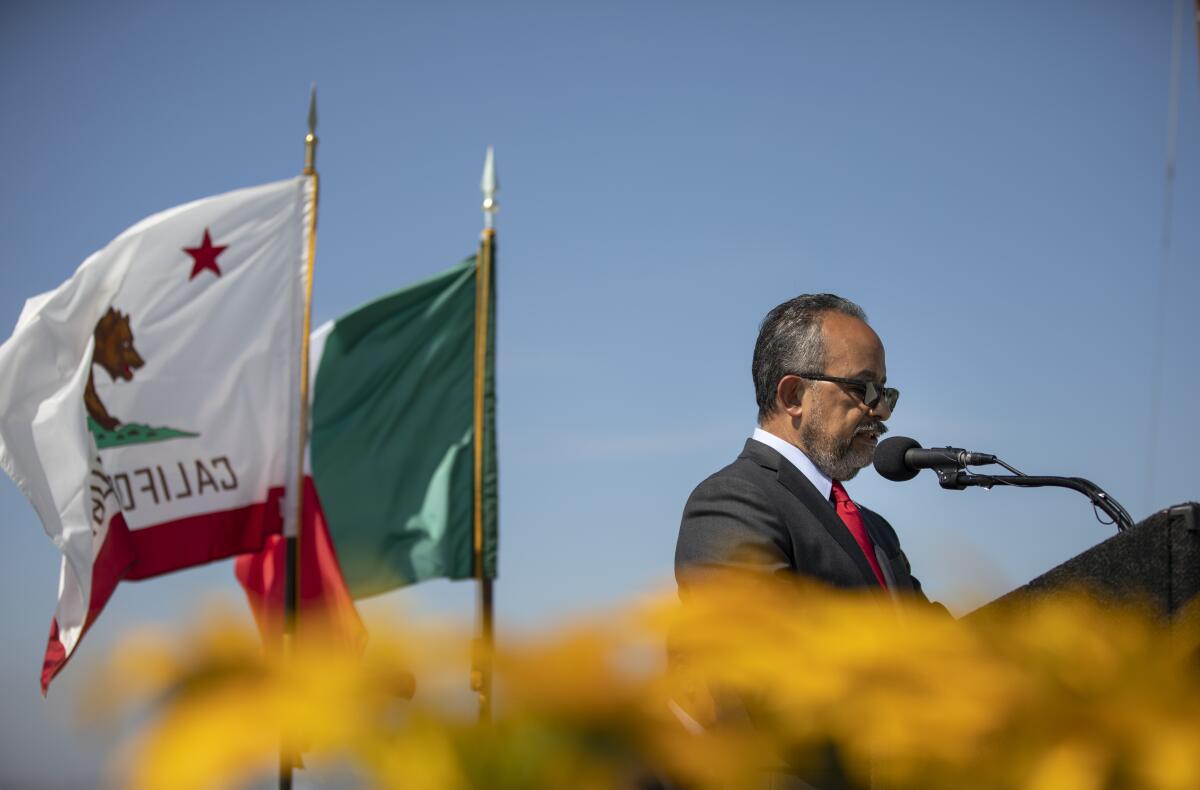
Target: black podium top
(1157, 563)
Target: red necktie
(848, 512)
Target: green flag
(393, 432)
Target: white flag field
(148, 404)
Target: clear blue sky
(986, 179)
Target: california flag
(147, 404)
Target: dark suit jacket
(761, 513)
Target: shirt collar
(796, 457)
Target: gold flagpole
(291, 587)
(481, 671)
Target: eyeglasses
(868, 392)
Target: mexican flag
(392, 446)
(147, 404)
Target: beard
(837, 459)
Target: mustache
(872, 426)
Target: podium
(1157, 562)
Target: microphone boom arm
(956, 478)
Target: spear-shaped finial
(310, 140)
(489, 187)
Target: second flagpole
(294, 527)
(481, 671)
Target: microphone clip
(953, 476)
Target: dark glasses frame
(872, 393)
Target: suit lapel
(821, 509)
(895, 570)
(795, 482)
(885, 568)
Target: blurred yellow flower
(1065, 693)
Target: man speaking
(781, 507)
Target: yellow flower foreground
(1071, 693)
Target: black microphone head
(889, 458)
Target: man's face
(837, 429)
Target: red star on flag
(205, 256)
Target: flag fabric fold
(146, 404)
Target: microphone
(899, 458)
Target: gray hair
(790, 341)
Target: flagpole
(481, 671)
(291, 584)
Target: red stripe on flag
(162, 548)
(325, 603)
(212, 536)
